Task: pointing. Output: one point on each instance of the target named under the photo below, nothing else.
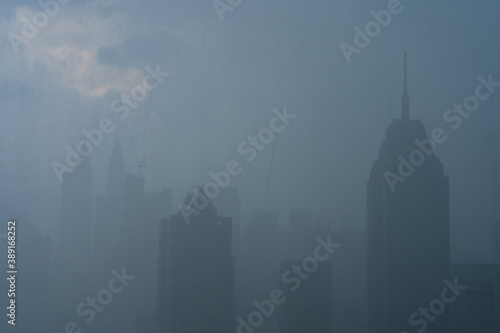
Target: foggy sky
(226, 77)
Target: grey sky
(226, 77)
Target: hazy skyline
(225, 79)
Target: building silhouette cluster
(207, 274)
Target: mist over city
(235, 166)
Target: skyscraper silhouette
(195, 273)
(349, 280)
(303, 229)
(478, 308)
(34, 254)
(137, 249)
(408, 228)
(72, 262)
(259, 263)
(228, 204)
(491, 146)
(109, 212)
(76, 214)
(308, 305)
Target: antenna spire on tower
(405, 100)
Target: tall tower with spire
(127, 228)
(408, 253)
